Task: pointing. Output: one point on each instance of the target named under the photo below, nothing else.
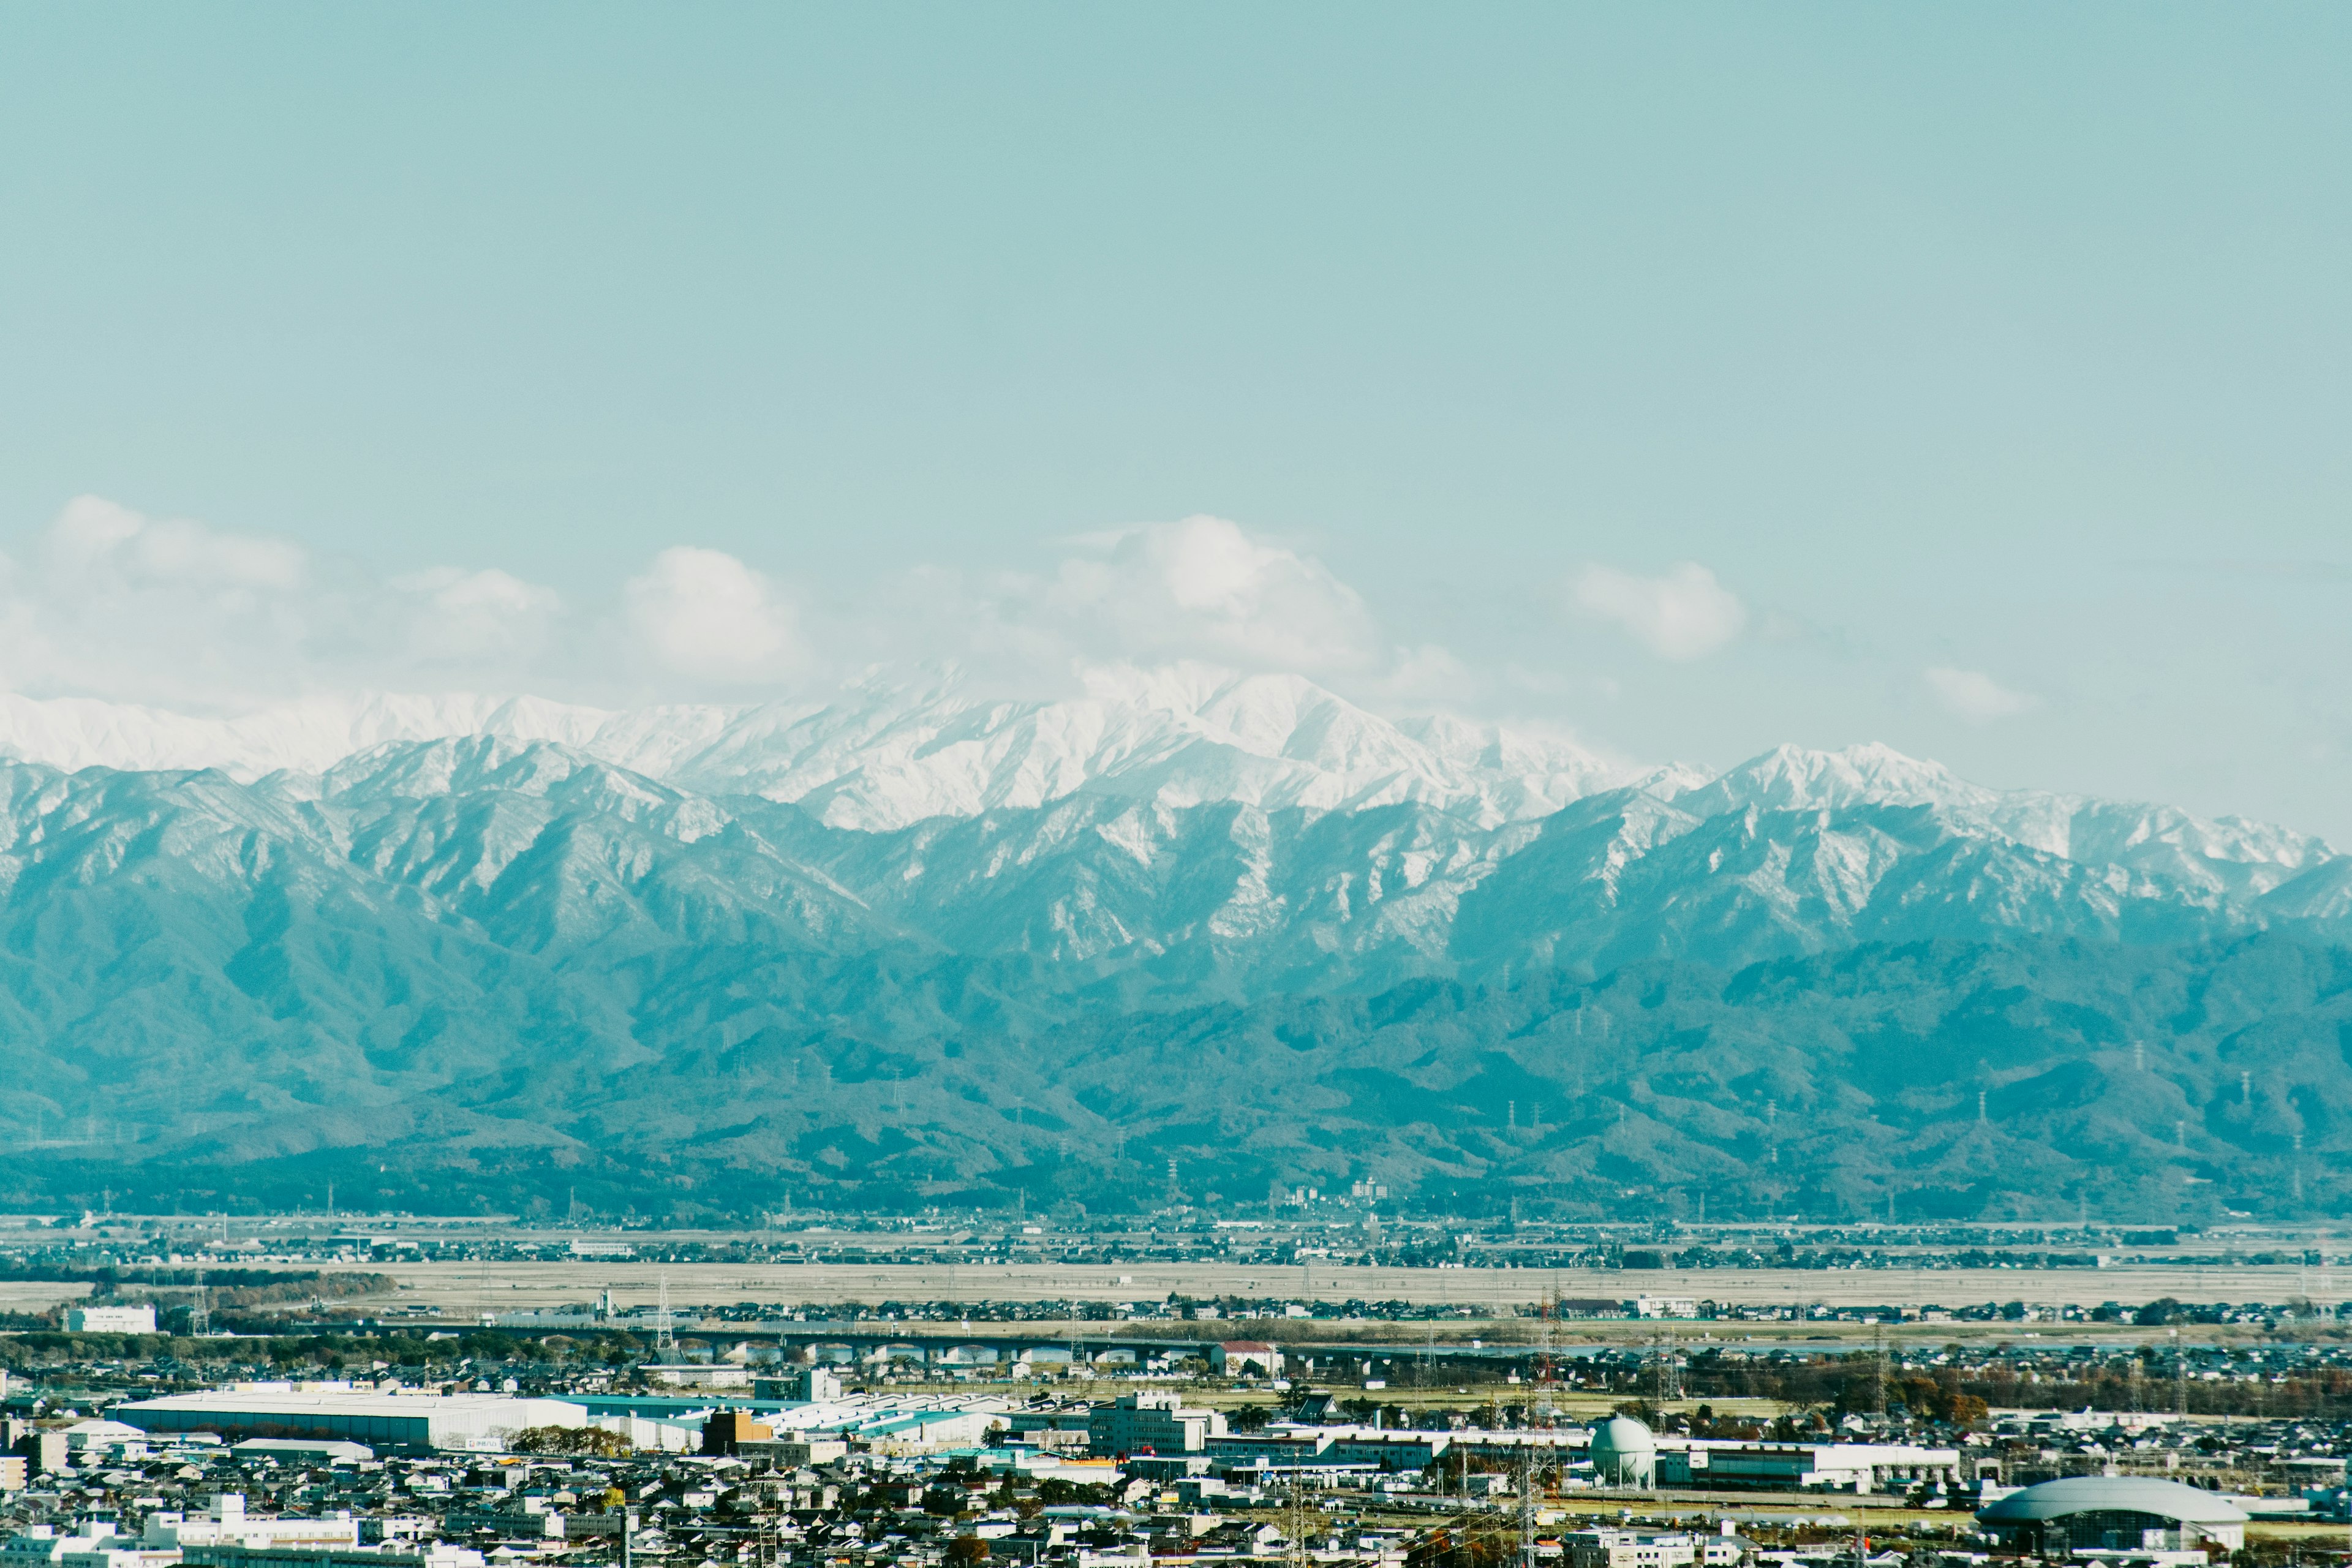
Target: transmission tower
(1544, 1331)
(1665, 1383)
(1878, 1368)
(1527, 1506)
(662, 1340)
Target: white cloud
(1682, 613)
(704, 614)
(109, 601)
(1201, 588)
(462, 617)
(98, 538)
(1976, 696)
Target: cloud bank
(1977, 697)
(1682, 613)
(107, 602)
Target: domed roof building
(1624, 1453)
(2129, 1513)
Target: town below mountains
(1187, 938)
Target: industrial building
(413, 1422)
(2110, 1513)
(1625, 1452)
(138, 1320)
(1150, 1423)
(1719, 1464)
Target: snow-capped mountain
(2228, 857)
(1105, 911)
(903, 750)
(896, 752)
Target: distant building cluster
(804, 1470)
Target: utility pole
(2179, 1375)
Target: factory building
(1723, 1464)
(2084, 1514)
(110, 1320)
(412, 1422)
(1150, 1423)
(1625, 1452)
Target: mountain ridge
(505, 958)
(905, 747)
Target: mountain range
(924, 946)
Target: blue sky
(1706, 377)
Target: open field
(462, 1287)
(38, 1295)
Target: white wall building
(415, 1421)
(1632, 1549)
(40, 1546)
(110, 1320)
(224, 1522)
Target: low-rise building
(139, 1320)
(225, 1522)
(96, 1545)
(2084, 1514)
(403, 1420)
(439, 1554)
(1387, 1448)
(1153, 1422)
(1720, 1464)
(1239, 1358)
(1633, 1548)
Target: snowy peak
(2227, 857)
(902, 749)
(1792, 778)
(891, 753)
